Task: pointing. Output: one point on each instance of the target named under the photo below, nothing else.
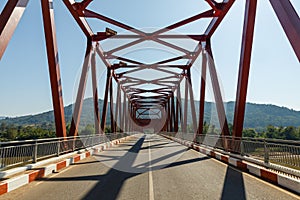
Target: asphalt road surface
(149, 167)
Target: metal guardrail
(17, 153)
(267, 151)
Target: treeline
(284, 133)
(11, 132)
(273, 132)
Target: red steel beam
(91, 14)
(103, 36)
(192, 102)
(247, 41)
(176, 115)
(202, 93)
(111, 100)
(206, 14)
(171, 118)
(105, 102)
(79, 19)
(54, 69)
(217, 92)
(81, 91)
(117, 105)
(173, 112)
(218, 19)
(95, 93)
(290, 22)
(124, 113)
(120, 111)
(9, 20)
(180, 107)
(185, 109)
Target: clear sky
(24, 78)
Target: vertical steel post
(176, 114)
(54, 69)
(180, 108)
(120, 111)
(192, 102)
(185, 109)
(10, 18)
(117, 106)
(202, 93)
(35, 152)
(245, 59)
(104, 110)
(173, 112)
(125, 115)
(124, 112)
(169, 116)
(95, 93)
(111, 99)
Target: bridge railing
(18, 153)
(265, 151)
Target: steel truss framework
(165, 100)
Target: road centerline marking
(151, 189)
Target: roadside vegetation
(10, 132)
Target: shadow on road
(109, 185)
(234, 187)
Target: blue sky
(24, 78)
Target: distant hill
(48, 117)
(257, 115)
(2, 117)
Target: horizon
(46, 111)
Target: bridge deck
(150, 167)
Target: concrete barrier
(282, 180)
(30, 175)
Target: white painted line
(151, 190)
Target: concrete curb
(31, 175)
(284, 181)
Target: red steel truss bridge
(153, 92)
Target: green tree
(88, 130)
(271, 132)
(11, 133)
(289, 133)
(249, 133)
(107, 129)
